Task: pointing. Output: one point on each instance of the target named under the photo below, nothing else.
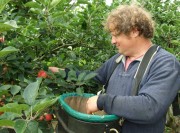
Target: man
(131, 28)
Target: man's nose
(113, 40)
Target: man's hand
(91, 105)
(55, 69)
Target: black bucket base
(73, 125)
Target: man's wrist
(100, 101)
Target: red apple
(42, 74)
(1, 113)
(48, 117)
(41, 118)
(2, 39)
(1, 103)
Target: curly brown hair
(125, 18)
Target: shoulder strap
(117, 61)
(176, 105)
(143, 67)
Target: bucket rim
(83, 116)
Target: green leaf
(5, 27)
(72, 76)
(44, 2)
(3, 4)
(14, 108)
(4, 52)
(30, 93)
(53, 4)
(12, 23)
(20, 126)
(15, 89)
(7, 123)
(9, 116)
(5, 87)
(8, 25)
(62, 73)
(175, 42)
(39, 80)
(90, 76)
(39, 130)
(43, 104)
(80, 90)
(81, 76)
(32, 127)
(33, 4)
(82, 2)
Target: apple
(41, 118)
(1, 103)
(1, 113)
(42, 74)
(48, 117)
(2, 39)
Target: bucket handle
(113, 129)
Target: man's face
(124, 43)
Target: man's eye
(114, 36)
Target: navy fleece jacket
(146, 112)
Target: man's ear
(134, 33)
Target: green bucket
(71, 120)
(83, 116)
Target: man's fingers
(54, 69)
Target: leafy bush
(61, 33)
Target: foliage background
(60, 33)
(63, 33)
